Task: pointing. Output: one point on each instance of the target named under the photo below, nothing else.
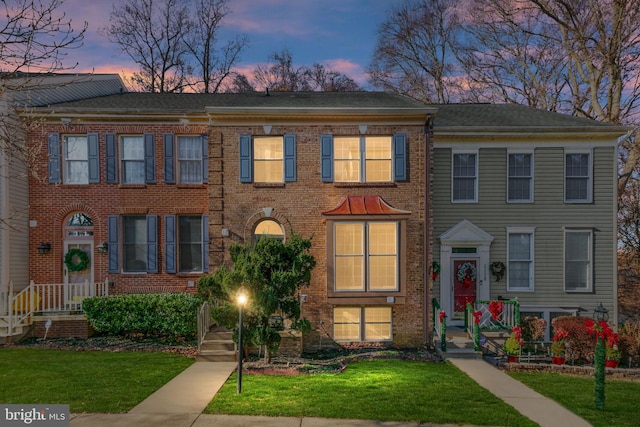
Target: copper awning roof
(364, 205)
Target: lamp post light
(600, 313)
(242, 300)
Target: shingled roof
(197, 102)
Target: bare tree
(326, 80)
(35, 37)
(214, 66)
(280, 74)
(414, 53)
(152, 33)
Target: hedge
(169, 316)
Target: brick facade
(234, 208)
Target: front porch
(486, 325)
(47, 309)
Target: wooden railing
(439, 324)
(17, 308)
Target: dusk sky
(340, 34)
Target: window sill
(365, 184)
(191, 185)
(132, 186)
(268, 185)
(365, 300)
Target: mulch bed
(114, 344)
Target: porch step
(458, 347)
(217, 346)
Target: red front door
(465, 275)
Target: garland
(466, 273)
(82, 262)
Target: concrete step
(218, 336)
(217, 345)
(217, 356)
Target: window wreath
(76, 260)
(466, 273)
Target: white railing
(18, 308)
(204, 322)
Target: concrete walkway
(531, 404)
(181, 401)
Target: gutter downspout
(428, 144)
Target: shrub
(581, 344)
(533, 328)
(167, 316)
(629, 340)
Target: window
(132, 156)
(268, 228)
(362, 323)
(268, 159)
(577, 177)
(520, 180)
(520, 259)
(137, 159)
(188, 161)
(134, 243)
(138, 243)
(186, 241)
(465, 177)
(577, 260)
(80, 157)
(366, 256)
(79, 225)
(364, 158)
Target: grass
(89, 381)
(385, 390)
(577, 394)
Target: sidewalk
(181, 401)
(529, 403)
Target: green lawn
(576, 394)
(386, 390)
(89, 381)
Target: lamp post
(600, 313)
(242, 300)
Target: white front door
(78, 272)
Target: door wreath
(76, 260)
(466, 273)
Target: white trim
(512, 151)
(589, 287)
(531, 232)
(476, 177)
(589, 198)
(464, 234)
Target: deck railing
(19, 307)
(492, 315)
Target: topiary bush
(172, 317)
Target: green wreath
(466, 271)
(81, 264)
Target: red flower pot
(557, 360)
(512, 359)
(611, 363)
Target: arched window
(79, 225)
(268, 228)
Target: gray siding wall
(548, 214)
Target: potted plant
(612, 352)
(513, 344)
(558, 348)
